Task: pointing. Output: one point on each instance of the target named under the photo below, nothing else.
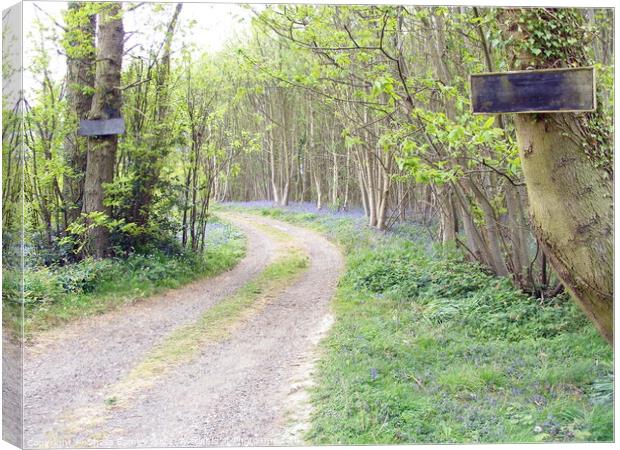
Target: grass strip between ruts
(222, 319)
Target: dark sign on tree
(101, 127)
(534, 91)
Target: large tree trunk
(568, 180)
(80, 48)
(106, 104)
(571, 206)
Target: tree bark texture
(571, 206)
(106, 104)
(80, 82)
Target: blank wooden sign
(534, 91)
(101, 127)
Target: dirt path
(241, 391)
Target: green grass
(428, 348)
(57, 295)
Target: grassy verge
(55, 295)
(427, 348)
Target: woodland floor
(117, 380)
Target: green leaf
(489, 123)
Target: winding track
(246, 390)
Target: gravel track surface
(246, 390)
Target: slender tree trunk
(272, 171)
(335, 173)
(363, 191)
(518, 235)
(345, 202)
(286, 154)
(491, 229)
(319, 191)
(370, 189)
(148, 169)
(446, 215)
(185, 206)
(384, 195)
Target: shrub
(83, 276)
(41, 287)
(55, 293)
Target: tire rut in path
(238, 391)
(68, 367)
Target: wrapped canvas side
(12, 226)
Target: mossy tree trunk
(566, 161)
(571, 206)
(80, 79)
(106, 104)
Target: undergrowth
(428, 348)
(57, 294)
